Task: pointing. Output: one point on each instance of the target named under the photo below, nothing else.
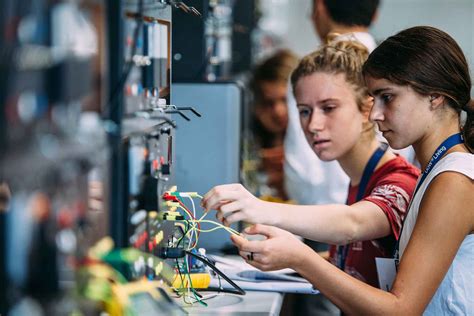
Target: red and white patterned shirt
(390, 187)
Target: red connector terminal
(169, 197)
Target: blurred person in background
(270, 118)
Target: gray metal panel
(208, 148)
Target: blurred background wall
(289, 20)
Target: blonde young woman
(334, 108)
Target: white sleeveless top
(455, 295)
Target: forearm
(349, 294)
(331, 224)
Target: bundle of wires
(194, 225)
(191, 232)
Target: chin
(325, 156)
(397, 143)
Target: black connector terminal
(169, 217)
(165, 169)
(171, 253)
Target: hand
(234, 203)
(280, 250)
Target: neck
(427, 145)
(278, 139)
(343, 29)
(353, 162)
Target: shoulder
(456, 162)
(449, 195)
(396, 171)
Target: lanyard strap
(446, 145)
(368, 171)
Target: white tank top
(455, 295)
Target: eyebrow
(320, 102)
(379, 91)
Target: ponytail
(468, 128)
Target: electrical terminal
(159, 268)
(172, 217)
(169, 198)
(159, 237)
(174, 188)
(172, 204)
(185, 194)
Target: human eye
(386, 97)
(304, 111)
(328, 108)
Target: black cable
(206, 261)
(184, 233)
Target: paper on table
(269, 286)
(250, 278)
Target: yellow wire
(229, 229)
(202, 220)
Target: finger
(220, 217)
(217, 188)
(226, 192)
(230, 208)
(215, 201)
(255, 264)
(225, 223)
(247, 245)
(259, 229)
(235, 217)
(251, 256)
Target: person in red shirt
(334, 107)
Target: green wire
(191, 283)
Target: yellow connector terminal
(199, 280)
(173, 189)
(159, 237)
(159, 268)
(172, 204)
(173, 213)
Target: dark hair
(431, 62)
(276, 68)
(352, 12)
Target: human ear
(436, 100)
(368, 104)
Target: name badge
(386, 272)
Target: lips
(320, 144)
(320, 141)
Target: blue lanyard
(368, 171)
(448, 143)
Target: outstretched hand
(234, 203)
(280, 250)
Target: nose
(317, 122)
(376, 113)
(280, 108)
